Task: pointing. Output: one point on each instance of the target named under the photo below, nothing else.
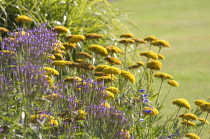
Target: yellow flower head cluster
(150, 38)
(181, 103)
(73, 79)
(111, 70)
(113, 49)
(50, 70)
(51, 56)
(23, 19)
(160, 56)
(163, 76)
(77, 38)
(128, 75)
(52, 96)
(108, 95)
(199, 102)
(126, 35)
(134, 66)
(188, 123)
(100, 68)
(173, 83)
(60, 29)
(150, 111)
(68, 45)
(149, 54)
(113, 60)
(106, 79)
(126, 41)
(106, 105)
(114, 90)
(205, 121)
(60, 63)
(154, 65)
(93, 36)
(2, 30)
(160, 43)
(85, 55)
(189, 116)
(86, 66)
(81, 115)
(98, 49)
(7, 52)
(192, 136)
(140, 63)
(58, 56)
(48, 79)
(50, 120)
(124, 134)
(137, 41)
(205, 107)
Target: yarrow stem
(203, 124)
(156, 103)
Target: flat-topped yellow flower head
(163, 76)
(150, 111)
(189, 116)
(76, 38)
(154, 65)
(150, 38)
(188, 123)
(111, 70)
(128, 75)
(149, 54)
(192, 136)
(60, 29)
(93, 36)
(113, 60)
(50, 70)
(173, 83)
(114, 90)
(23, 19)
(181, 103)
(199, 102)
(160, 43)
(98, 49)
(126, 35)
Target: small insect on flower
(192, 136)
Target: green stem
(203, 124)
(166, 96)
(156, 103)
(134, 53)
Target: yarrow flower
(160, 56)
(111, 70)
(107, 105)
(93, 36)
(49, 120)
(181, 103)
(173, 83)
(98, 49)
(160, 43)
(23, 19)
(189, 116)
(2, 30)
(122, 134)
(106, 79)
(126, 41)
(150, 38)
(128, 75)
(114, 90)
(100, 68)
(139, 41)
(108, 95)
(68, 45)
(199, 102)
(154, 65)
(60, 29)
(50, 70)
(205, 121)
(113, 49)
(73, 79)
(205, 107)
(85, 55)
(113, 60)
(150, 111)
(192, 136)
(188, 123)
(163, 76)
(86, 66)
(60, 63)
(149, 54)
(76, 38)
(126, 35)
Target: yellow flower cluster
(114, 90)
(137, 41)
(50, 70)
(128, 75)
(135, 66)
(48, 79)
(106, 105)
(98, 49)
(192, 136)
(52, 96)
(60, 63)
(58, 56)
(111, 70)
(113, 49)
(81, 115)
(77, 38)
(140, 63)
(124, 134)
(150, 38)
(163, 76)
(126, 41)
(160, 43)
(113, 60)
(86, 66)
(7, 52)
(108, 95)
(50, 120)
(160, 56)
(149, 54)
(205, 107)
(173, 83)
(106, 79)
(150, 111)
(93, 36)
(60, 29)
(23, 19)
(68, 45)
(100, 68)
(199, 102)
(85, 55)
(126, 35)
(73, 79)
(154, 65)
(188, 123)
(181, 103)
(189, 116)
(2, 30)
(204, 121)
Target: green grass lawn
(186, 25)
